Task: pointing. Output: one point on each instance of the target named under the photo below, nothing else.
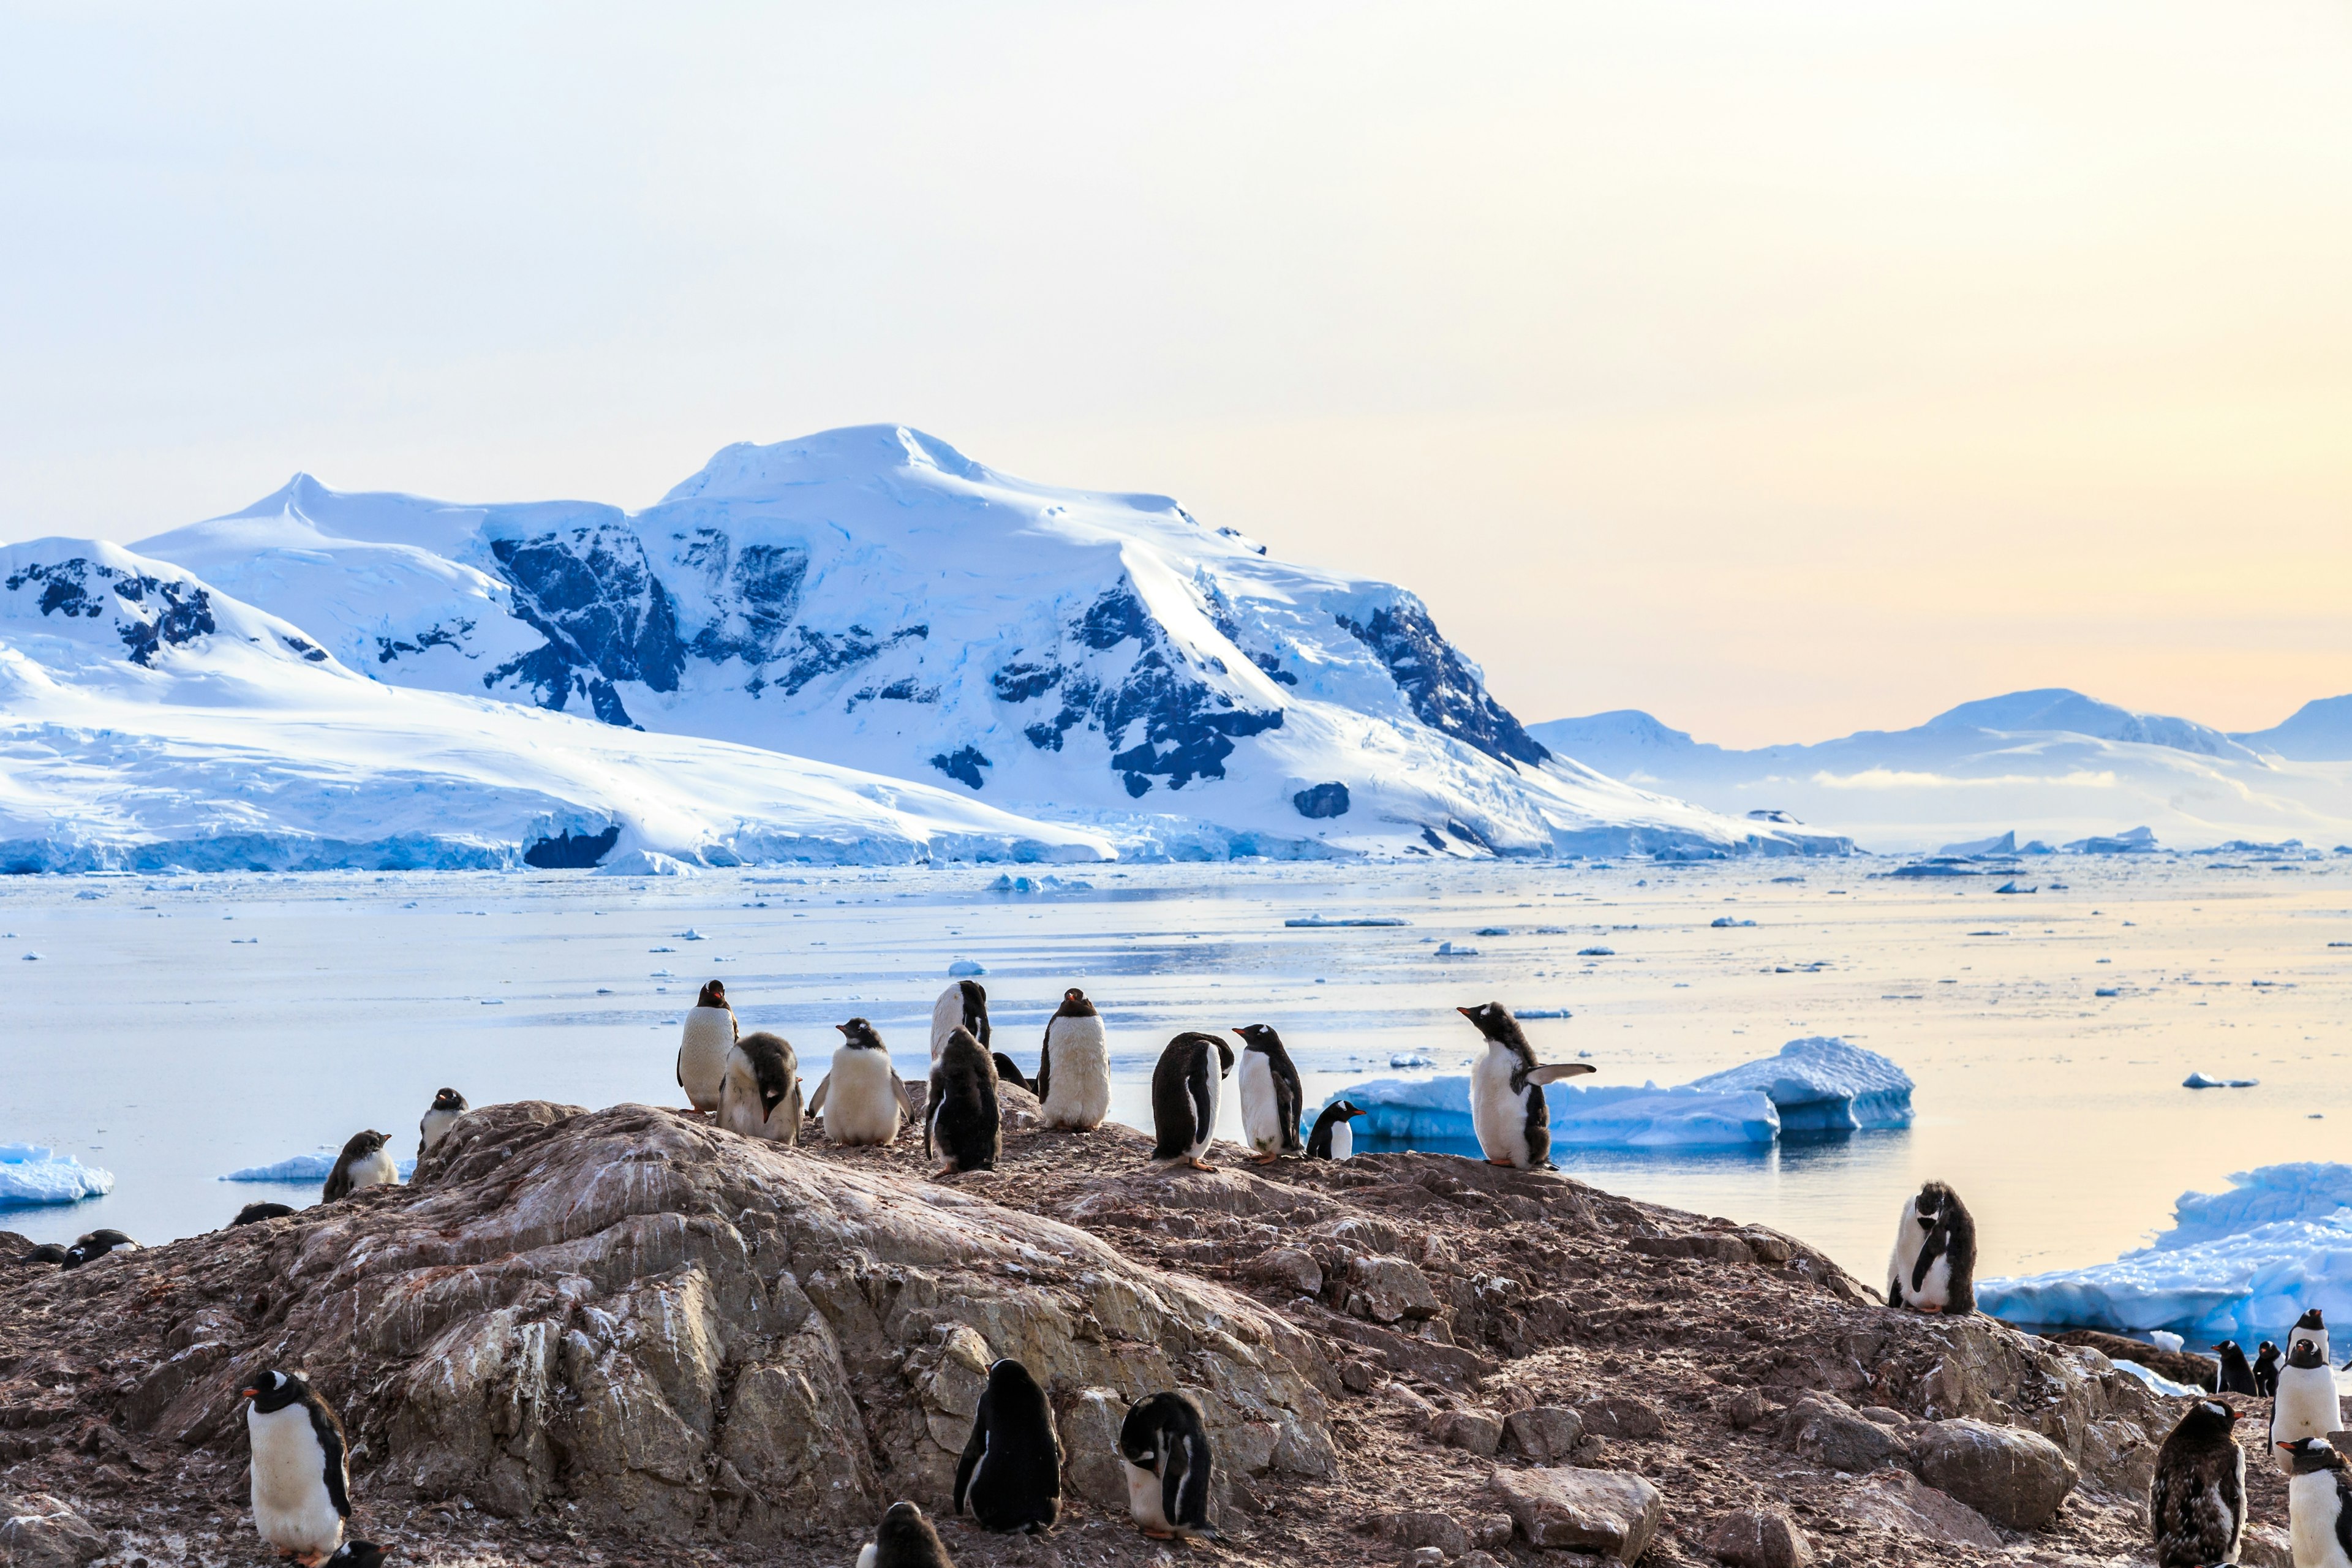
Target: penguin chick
(94, 1245)
(439, 1117)
(2236, 1376)
(709, 1034)
(2266, 1370)
(301, 1467)
(960, 1126)
(1507, 1110)
(905, 1538)
(1333, 1139)
(2197, 1503)
(1010, 1472)
(254, 1214)
(2306, 1406)
(2318, 1504)
(962, 1005)
(1074, 1066)
(1934, 1264)
(862, 1099)
(760, 1095)
(1186, 1086)
(47, 1252)
(362, 1164)
(1171, 1474)
(1272, 1100)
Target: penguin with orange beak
(301, 1468)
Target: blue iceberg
(305, 1168)
(1821, 1084)
(31, 1174)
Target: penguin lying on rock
(1170, 1475)
(2318, 1504)
(904, 1539)
(439, 1117)
(362, 1164)
(1185, 1089)
(2197, 1503)
(47, 1252)
(96, 1245)
(1507, 1110)
(254, 1214)
(1011, 1472)
(1272, 1100)
(1934, 1265)
(301, 1467)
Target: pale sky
(1783, 369)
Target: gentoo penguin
(904, 1539)
(2318, 1504)
(1010, 1472)
(961, 1125)
(358, 1555)
(254, 1214)
(1507, 1110)
(2236, 1376)
(2306, 1406)
(362, 1164)
(1009, 1071)
(2266, 1370)
(1333, 1139)
(96, 1245)
(710, 1033)
(1170, 1471)
(1185, 1089)
(1074, 1066)
(862, 1099)
(439, 1117)
(1934, 1265)
(760, 1095)
(962, 1005)
(2313, 1327)
(47, 1252)
(1272, 1102)
(2196, 1504)
(301, 1470)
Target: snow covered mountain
(2318, 731)
(2050, 765)
(148, 720)
(872, 597)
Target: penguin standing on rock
(2318, 1504)
(301, 1468)
(1010, 1472)
(1272, 1100)
(96, 1245)
(1185, 1089)
(2306, 1406)
(1333, 1139)
(1934, 1265)
(1170, 1471)
(2313, 1327)
(904, 1539)
(2266, 1370)
(439, 1117)
(2236, 1376)
(1507, 1110)
(862, 1099)
(1074, 1066)
(362, 1164)
(961, 1126)
(711, 1033)
(962, 1005)
(760, 1096)
(2196, 1504)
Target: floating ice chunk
(1437, 1111)
(661, 949)
(643, 863)
(30, 1174)
(1009, 883)
(2005, 844)
(2167, 1341)
(1409, 1059)
(1822, 1084)
(2156, 1381)
(1493, 930)
(1721, 921)
(1447, 949)
(2108, 991)
(662, 974)
(1596, 952)
(1325, 922)
(2201, 1080)
(1541, 1013)
(32, 958)
(315, 1167)
(690, 935)
(2014, 888)
(965, 966)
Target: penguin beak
(1463, 1011)
(843, 1027)
(248, 1394)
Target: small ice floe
(690, 935)
(315, 1167)
(1049, 883)
(965, 966)
(494, 1001)
(1493, 930)
(31, 1174)
(2166, 1341)
(603, 991)
(1325, 922)
(643, 863)
(1722, 921)
(2203, 1081)
(662, 974)
(1542, 1012)
(2156, 1382)
(2340, 944)
(2108, 991)
(32, 958)
(245, 942)
(1988, 934)
(1788, 878)
(1447, 949)
(1596, 952)
(2014, 888)
(661, 949)
(1409, 1059)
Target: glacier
(32, 1174)
(873, 598)
(2241, 1264)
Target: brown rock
(1754, 1538)
(1827, 1434)
(1899, 1501)
(1623, 1415)
(1744, 1409)
(1546, 1434)
(1604, 1513)
(1421, 1529)
(38, 1530)
(1392, 1289)
(1472, 1429)
(1288, 1267)
(2266, 1546)
(2011, 1476)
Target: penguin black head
(363, 1143)
(1259, 1038)
(1494, 1020)
(2311, 1319)
(858, 1034)
(2211, 1419)
(449, 1100)
(358, 1555)
(2265, 1351)
(2311, 1454)
(2226, 1348)
(714, 995)
(1073, 998)
(275, 1390)
(1345, 1110)
(2305, 1355)
(1010, 1375)
(97, 1244)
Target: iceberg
(2241, 1264)
(1722, 922)
(1821, 1084)
(965, 966)
(2001, 844)
(1437, 1111)
(315, 1167)
(1325, 922)
(31, 1174)
(2203, 1081)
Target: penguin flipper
(1171, 1481)
(816, 1100)
(974, 1448)
(1046, 1064)
(329, 1432)
(1552, 1072)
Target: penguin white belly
(739, 1101)
(1909, 1240)
(2316, 1336)
(1497, 1113)
(2305, 1406)
(1261, 1112)
(1143, 1498)
(375, 1170)
(435, 1127)
(1206, 1133)
(866, 1558)
(2311, 1508)
(1078, 1089)
(702, 1055)
(291, 1505)
(1343, 1140)
(1935, 1290)
(863, 1105)
(947, 1017)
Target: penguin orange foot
(1201, 1165)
